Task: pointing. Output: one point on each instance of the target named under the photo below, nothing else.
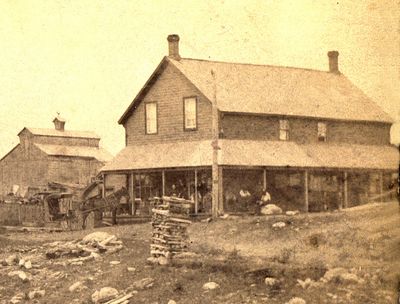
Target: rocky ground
(351, 256)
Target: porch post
(381, 186)
(215, 137)
(306, 190)
(196, 200)
(221, 190)
(163, 182)
(103, 191)
(346, 194)
(265, 178)
(132, 192)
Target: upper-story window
(151, 118)
(321, 131)
(190, 113)
(283, 129)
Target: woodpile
(170, 220)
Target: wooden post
(103, 191)
(215, 135)
(221, 190)
(306, 190)
(381, 186)
(163, 181)
(346, 197)
(196, 199)
(265, 179)
(132, 192)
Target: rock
(341, 275)
(171, 302)
(97, 237)
(270, 282)
(279, 225)
(77, 286)
(96, 256)
(270, 209)
(296, 300)
(18, 298)
(291, 213)
(21, 262)
(207, 220)
(306, 283)
(22, 275)
(115, 263)
(210, 286)
(36, 294)
(143, 283)
(163, 261)
(28, 264)
(152, 260)
(11, 260)
(105, 294)
(225, 216)
(131, 269)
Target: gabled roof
(255, 153)
(274, 90)
(57, 133)
(76, 151)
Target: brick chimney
(173, 47)
(333, 61)
(59, 123)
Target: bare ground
(237, 253)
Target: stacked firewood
(170, 221)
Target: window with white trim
(321, 131)
(190, 113)
(283, 129)
(151, 118)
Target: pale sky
(88, 59)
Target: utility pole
(215, 131)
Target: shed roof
(57, 133)
(255, 153)
(76, 151)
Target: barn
(55, 155)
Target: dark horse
(108, 203)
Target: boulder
(18, 298)
(210, 286)
(11, 260)
(22, 275)
(278, 225)
(36, 294)
(97, 237)
(270, 209)
(296, 300)
(28, 264)
(334, 274)
(143, 283)
(115, 263)
(291, 213)
(103, 295)
(171, 302)
(270, 282)
(77, 286)
(131, 269)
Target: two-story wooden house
(206, 129)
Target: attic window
(283, 129)
(190, 113)
(151, 118)
(321, 131)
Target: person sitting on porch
(174, 193)
(265, 197)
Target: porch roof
(255, 153)
(162, 155)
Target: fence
(16, 214)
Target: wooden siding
(26, 136)
(304, 130)
(168, 91)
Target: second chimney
(173, 47)
(59, 123)
(333, 61)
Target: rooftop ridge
(258, 64)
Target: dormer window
(321, 131)
(151, 118)
(190, 113)
(283, 129)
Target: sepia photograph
(179, 152)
